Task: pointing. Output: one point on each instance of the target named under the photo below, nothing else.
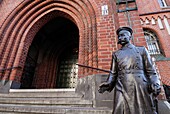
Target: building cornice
(151, 13)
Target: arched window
(152, 42)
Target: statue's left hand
(155, 89)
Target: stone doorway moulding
(27, 19)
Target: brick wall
(164, 68)
(106, 37)
(147, 6)
(150, 13)
(6, 8)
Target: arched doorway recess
(52, 56)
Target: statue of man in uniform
(133, 78)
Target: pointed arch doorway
(52, 56)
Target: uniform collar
(129, 45)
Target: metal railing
(4, 69)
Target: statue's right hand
(104, 87)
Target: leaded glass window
(152, 42)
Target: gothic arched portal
(22, 29)
(52, 56)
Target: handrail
(103, 70)
(4, 69)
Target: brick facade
(22, 19)
(149, 12)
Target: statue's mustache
(121, 40)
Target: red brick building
(42, 40)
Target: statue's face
(124, 37)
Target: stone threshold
(40, 90)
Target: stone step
(48, 101)
(44, 93)
(58, 97)
(40, 109)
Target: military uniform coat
(131, 71)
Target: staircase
(47, 101)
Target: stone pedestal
(88, 87)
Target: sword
(153, 99)
(154, 103)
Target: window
(152, 42)
(128, 5)
(162, 3)
(124, 1)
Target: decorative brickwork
(20, 29)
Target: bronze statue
(133, 78)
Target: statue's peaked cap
(124, 28)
